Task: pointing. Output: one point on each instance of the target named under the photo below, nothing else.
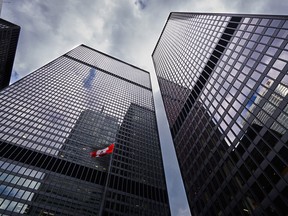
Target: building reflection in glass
(230, 131)
(53, 118)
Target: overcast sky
(125, 29)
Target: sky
(125, 29)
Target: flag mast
(106, 185)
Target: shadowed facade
(9, 35)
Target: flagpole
(106, 185)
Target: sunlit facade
(9, 34)
(53, 118)
(223, 79)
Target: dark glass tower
(52, 119)
(224, 84)
(9, 34)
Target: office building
(53, 118)
(9, 34)
(136, 166)
(91, 131)
(1, 3)
(223, 79)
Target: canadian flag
(102, 152)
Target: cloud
(119, 28)
(54, 28)
(141, 4)
(183, 212)
(259, 6)
(14, 76)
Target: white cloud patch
(183, 212)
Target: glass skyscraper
(9, 34)
(53, 118)
(224, 83)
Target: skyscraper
(53, 118)
(223, 79)
(9, 34)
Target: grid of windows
(53, 118)
(111, 65)
(9, 34)
(224, 84)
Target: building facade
(9, 35)
(223, 80)
(53, 118)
